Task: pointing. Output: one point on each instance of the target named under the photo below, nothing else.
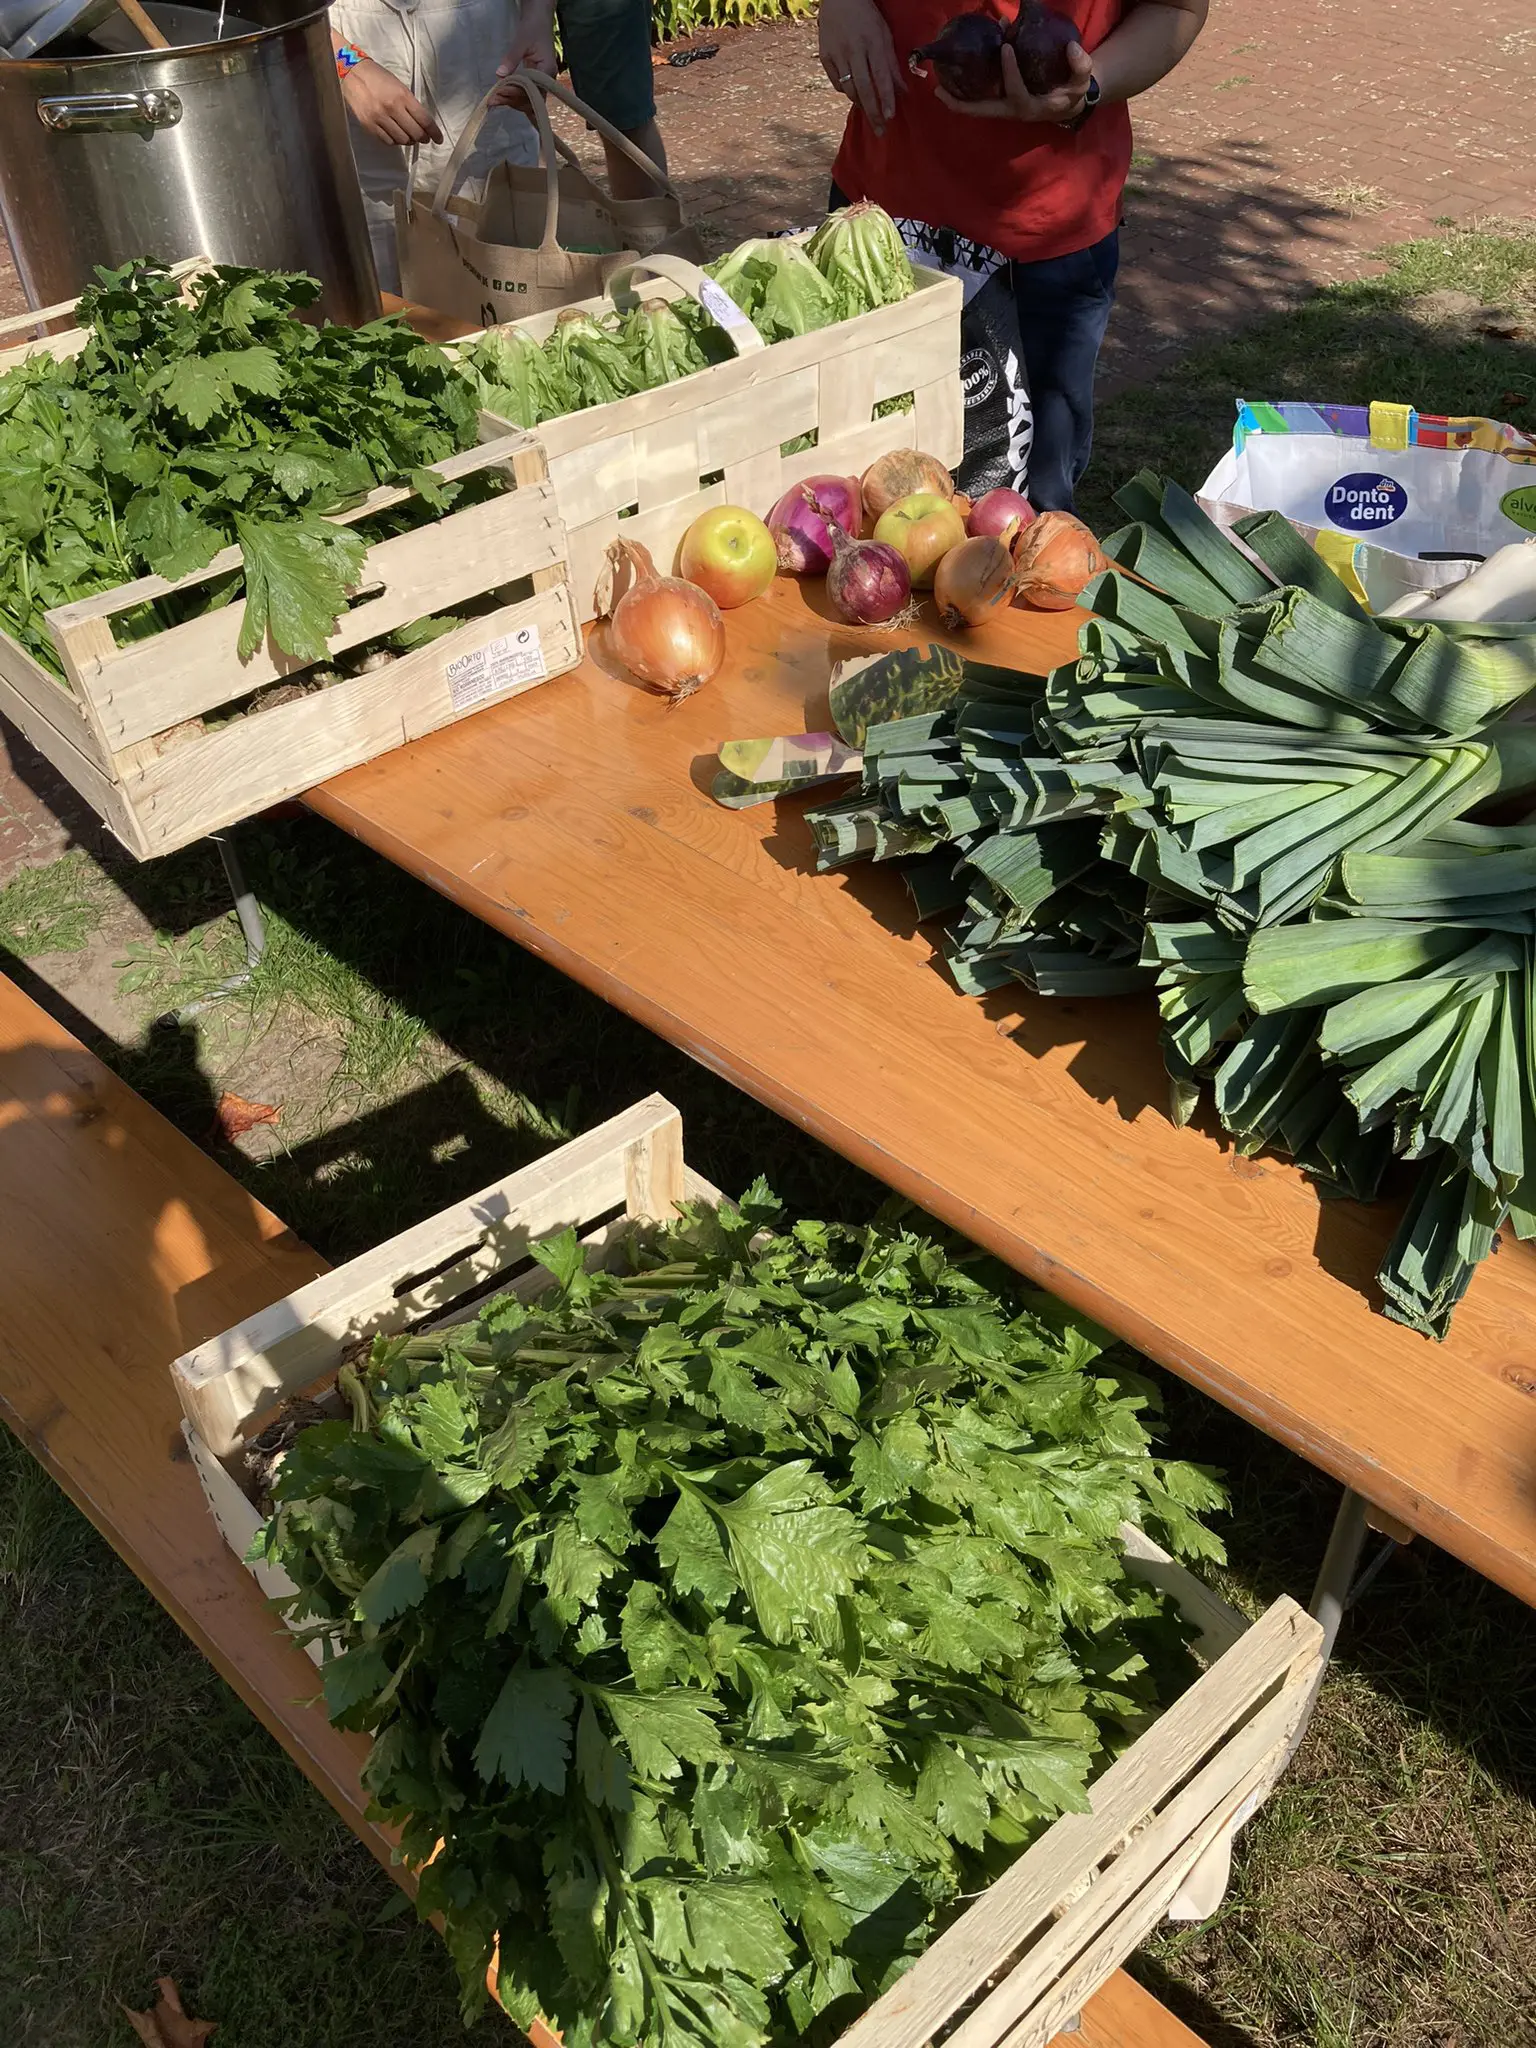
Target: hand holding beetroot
(1036, 71)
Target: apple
(922, 529)
(729, 553)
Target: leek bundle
(1255, 799)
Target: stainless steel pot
(235, 149)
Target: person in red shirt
(1035, 183)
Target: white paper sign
(720, 306)
(514, 658)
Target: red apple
(923, 529)
(731, 554)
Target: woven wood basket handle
(718, 304)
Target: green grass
(153, 1827)
(1347, 345)
(56, 909)
(1386, 1896)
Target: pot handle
(78, 113)
(717, 303)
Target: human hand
(859, 57)
(533, 49)
(1062, 106)
(389, 111)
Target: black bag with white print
(999, 424)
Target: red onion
(868, 583)
(801, 521)
(998, 511)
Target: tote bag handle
(453, 170)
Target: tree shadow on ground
(1212, 242)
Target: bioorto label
(1520, 507)
(1363, 501)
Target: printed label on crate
(514, 658)
(1520, 506)
(720, 306)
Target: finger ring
(846, 79)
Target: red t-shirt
(1033, 191)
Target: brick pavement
(1299, 136)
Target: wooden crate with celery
(243, 553)
(730, 1601)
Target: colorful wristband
(348, 57)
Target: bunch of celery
(1252, 797)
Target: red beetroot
(966, 56)
(1040, 38)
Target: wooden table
(121, 1245)
(574, 819)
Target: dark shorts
(607, 49)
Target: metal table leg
(1336, 1588)
(248, 910)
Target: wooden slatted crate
(123, 724)
(647, 466)
(1030, 1952)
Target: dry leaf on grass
(235, 1116)
(166, 2025)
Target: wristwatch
(1091, 98)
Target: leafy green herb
(190, 424)
(728, 1619)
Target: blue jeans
(1064, 308)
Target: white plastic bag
(1405, 500)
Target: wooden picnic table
(122, 1244)
(576, 820)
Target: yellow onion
(667, 632)
(973, 580)
(901, 474)
(1056, 558)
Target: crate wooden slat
(646, 458)
(111, 725)
(1033, 1949)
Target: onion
(973, 580)
(800, 530)
(868, 583)
(1056, 559)
(667, 632)
(901, 474)
(999, 511)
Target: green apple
(923, 529)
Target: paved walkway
(1299, 136)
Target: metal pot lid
(65, 17)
